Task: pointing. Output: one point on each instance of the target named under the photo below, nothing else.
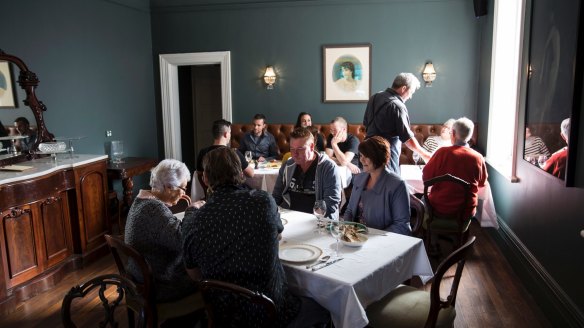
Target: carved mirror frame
(28, 81)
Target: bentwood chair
(417, 212)
(155, 312)
(224, 302)
(457, 223)
(181, 205)
(409, 307)
(110, 298)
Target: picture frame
(7, 90)
(346, 73)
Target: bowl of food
(354, 235)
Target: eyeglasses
(183, 189)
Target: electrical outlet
(108, 133)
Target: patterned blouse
(152, 230)
(234, 238)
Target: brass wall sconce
(429, 74)
(270, 77)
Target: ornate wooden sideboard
(53, 220)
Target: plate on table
(355, 242)
(299, 253)
(354, 234)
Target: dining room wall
(289, 35)
(94, 62)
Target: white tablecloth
(486, 214)
(263, 179)
(364, 276)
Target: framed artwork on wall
(7, 96)
(346, 73)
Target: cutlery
(324, 265)
(319, 261)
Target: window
(505, 75)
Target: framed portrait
(7, 94)
(346, 72)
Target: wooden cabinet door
(22, 235)
(56, 225)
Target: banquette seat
(281, 133)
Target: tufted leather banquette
(281, 133)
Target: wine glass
(541, 160)
(319, 210)
(117, 149)
(416, 157)
(248, 156)
(337, 230)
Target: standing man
(260, 142)
(307, 177)
(387, 116)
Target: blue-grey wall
(289, 35)
(94, 62)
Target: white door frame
(169, 90)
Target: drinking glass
(416, 157)
(248, 156)
(541, 160)
(319, 210)
(337, 230)
(117, 149)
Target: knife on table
(324, 265)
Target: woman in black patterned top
(234, 238)
(155, 232)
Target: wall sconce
(270, 77)
(429, 74)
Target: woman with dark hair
(379, 198)
(347, 80)
(234, 238)
(305, 120)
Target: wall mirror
(550, 91)
(28, 81)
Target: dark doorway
(200, 105)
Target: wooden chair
(110, 300)
(456, 224)
(155, 311)
(181, 205)
(417, 212)
(406, 306)
(233, 296)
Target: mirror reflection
(550, 84)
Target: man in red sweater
(458, 160)
(556, 164)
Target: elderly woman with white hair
(156, 233)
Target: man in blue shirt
(260, 142)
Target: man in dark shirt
(260, 142)
(307, 176)
(387, 116)
(343, 147)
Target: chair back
(109, 300)
(231, 298)
(182, 204)
(460, 217)
(126, 256)
(458, 258)
(417, 212)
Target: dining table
(264, 177)
(485, 215)
(364, 275)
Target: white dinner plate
(299, 253)
(363, 240)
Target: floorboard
(490, 295)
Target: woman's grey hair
(449, 123)
(463, 128)
(407, 79)
(566, 128)
(169, 173)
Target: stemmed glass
(416, 157)
(319, 210)
(337, 230)
(248, 156)
(541, 160)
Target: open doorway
(200, 105)
(170, 92)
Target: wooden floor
(490, 295)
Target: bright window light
(505, 74)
